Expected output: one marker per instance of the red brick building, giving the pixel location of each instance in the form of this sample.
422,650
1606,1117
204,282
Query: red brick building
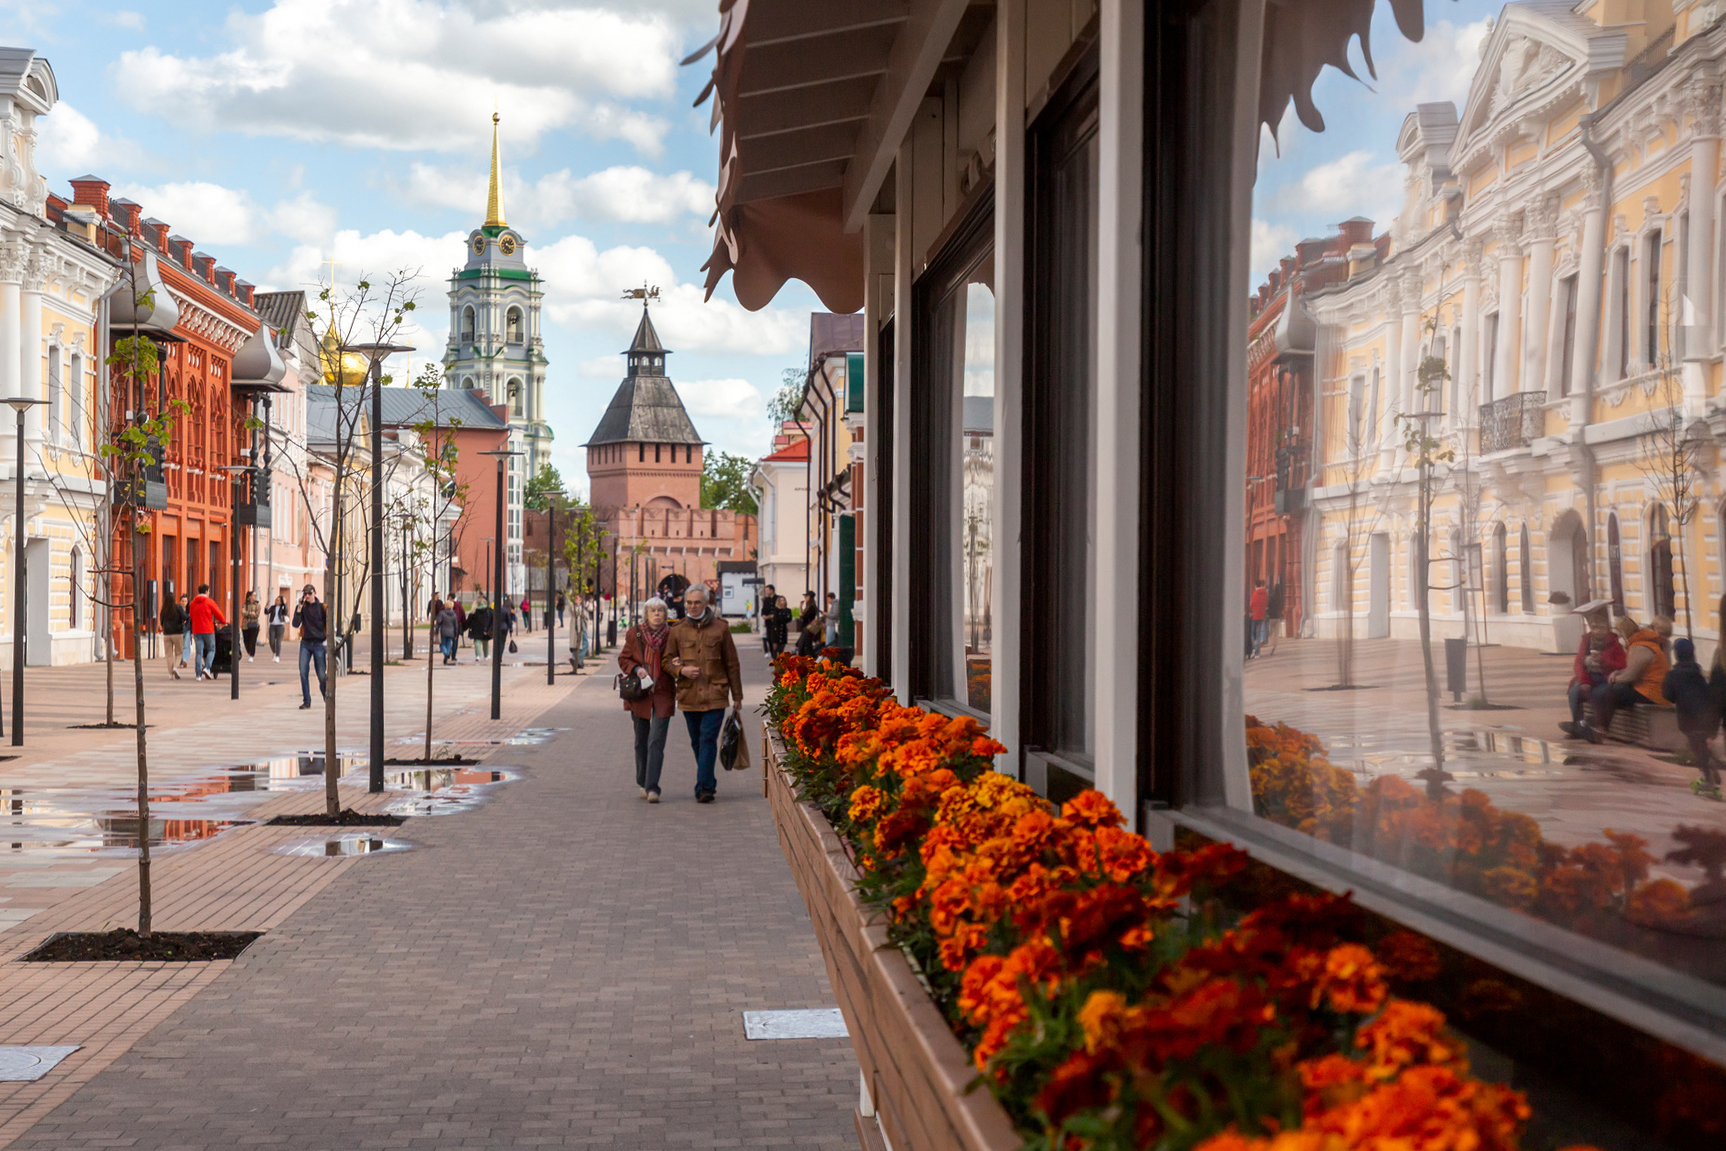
1280,347
190,540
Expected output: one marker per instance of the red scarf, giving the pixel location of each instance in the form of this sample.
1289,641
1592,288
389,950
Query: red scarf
653,646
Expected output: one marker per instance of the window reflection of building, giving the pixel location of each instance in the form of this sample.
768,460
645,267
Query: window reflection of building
979,500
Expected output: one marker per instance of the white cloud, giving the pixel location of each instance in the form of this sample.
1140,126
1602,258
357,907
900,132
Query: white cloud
416,74
1270,243
1349,185
208,214
626,193
304,219
69,144
126,19
1440,67
728,399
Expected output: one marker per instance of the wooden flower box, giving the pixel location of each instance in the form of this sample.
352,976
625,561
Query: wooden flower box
915,1070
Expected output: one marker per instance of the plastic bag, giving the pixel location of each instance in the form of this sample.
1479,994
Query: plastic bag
733,747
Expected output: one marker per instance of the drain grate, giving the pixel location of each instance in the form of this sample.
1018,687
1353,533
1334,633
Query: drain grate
28,1064
806,1023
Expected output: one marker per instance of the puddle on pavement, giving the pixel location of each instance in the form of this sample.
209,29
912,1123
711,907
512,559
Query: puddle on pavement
341,845
78,821
526,737
1477,754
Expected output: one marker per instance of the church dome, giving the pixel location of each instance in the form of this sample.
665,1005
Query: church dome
353,367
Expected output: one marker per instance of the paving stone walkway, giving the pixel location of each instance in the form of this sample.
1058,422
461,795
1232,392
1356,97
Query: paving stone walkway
561,966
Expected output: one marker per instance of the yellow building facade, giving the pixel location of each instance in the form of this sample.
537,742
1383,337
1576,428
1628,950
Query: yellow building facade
1549,306
53,281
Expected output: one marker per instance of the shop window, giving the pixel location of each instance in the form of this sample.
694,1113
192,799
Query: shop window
1059,482
879,567
953,488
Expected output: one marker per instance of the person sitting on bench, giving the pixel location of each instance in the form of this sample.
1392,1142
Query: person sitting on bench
1639,681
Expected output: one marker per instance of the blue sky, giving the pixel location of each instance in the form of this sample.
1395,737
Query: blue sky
1351,168
280,133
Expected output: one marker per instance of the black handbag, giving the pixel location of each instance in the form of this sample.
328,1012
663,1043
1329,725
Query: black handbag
512,647
629,687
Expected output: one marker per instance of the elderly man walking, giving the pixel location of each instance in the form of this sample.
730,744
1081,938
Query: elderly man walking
700,653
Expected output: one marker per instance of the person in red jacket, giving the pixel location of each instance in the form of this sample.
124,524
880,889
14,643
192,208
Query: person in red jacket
206,614
1598,656
1258,606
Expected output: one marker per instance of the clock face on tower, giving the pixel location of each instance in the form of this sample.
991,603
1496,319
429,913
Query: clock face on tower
479,245
507,245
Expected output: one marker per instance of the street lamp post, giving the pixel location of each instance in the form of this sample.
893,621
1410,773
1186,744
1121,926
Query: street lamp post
235,471
376,353
500,455
551,591
19,584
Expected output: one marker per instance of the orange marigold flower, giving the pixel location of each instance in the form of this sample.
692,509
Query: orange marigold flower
866,804
1101,1018
1406,1034
1351,980
1091,809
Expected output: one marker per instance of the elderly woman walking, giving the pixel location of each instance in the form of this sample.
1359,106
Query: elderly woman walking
640,659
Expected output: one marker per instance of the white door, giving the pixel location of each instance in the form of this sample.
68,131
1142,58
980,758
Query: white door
1378,602
39,565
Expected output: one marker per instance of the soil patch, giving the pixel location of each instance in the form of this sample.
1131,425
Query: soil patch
107,726
347,818
1343,687
446,761
127,946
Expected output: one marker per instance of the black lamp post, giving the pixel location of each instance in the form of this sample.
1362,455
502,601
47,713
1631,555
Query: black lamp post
501,455
19,583
376,353
551,591
235,471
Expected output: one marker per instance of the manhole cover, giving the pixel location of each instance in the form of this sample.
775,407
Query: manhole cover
28,1064
808,1023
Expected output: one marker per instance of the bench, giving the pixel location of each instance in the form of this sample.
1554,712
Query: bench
1646,725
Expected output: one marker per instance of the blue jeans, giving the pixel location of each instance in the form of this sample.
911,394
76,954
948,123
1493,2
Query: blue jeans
206,645
1261,632
447,643
311,651
650,749
186,646
704,738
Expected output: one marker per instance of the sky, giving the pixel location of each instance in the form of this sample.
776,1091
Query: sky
1308,182
278,134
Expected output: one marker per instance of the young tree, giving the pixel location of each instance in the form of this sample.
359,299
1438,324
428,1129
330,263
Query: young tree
1427,451
435,445
1672,454
725,482
367,314
785,402
543,486
1358,527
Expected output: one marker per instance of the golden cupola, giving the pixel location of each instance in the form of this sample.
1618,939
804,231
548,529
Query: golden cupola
353,366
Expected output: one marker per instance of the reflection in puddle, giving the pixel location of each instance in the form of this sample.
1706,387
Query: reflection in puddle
341,845
74,820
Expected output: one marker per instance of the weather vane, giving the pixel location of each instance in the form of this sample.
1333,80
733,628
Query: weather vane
643,293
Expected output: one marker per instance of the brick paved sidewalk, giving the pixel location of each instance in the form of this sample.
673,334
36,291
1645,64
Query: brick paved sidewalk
563,966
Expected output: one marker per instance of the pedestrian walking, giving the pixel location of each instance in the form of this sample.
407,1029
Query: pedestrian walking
173,621
206,614
186,633
278,614
830,621
460,623
446,629
313,622
769,604
701,654
479,626
1258,608
809,626
1688,690
527,613
561,605
250,612
777,626
642,657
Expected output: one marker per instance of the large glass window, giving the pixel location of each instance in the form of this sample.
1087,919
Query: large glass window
953,482
1493,803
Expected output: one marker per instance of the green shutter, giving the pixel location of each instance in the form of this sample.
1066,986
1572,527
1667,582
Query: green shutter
854,382
847,577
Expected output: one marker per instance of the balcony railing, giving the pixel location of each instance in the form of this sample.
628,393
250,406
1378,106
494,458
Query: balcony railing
1512,422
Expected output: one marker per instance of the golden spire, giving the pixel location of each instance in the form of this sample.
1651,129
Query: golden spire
494,199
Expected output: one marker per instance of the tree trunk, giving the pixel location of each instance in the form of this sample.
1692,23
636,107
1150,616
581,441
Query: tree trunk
143,756
431,663
333,593
1422,547
1684,580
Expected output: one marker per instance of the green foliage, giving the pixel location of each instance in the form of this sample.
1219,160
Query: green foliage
725,482
785,402
543,487
583,537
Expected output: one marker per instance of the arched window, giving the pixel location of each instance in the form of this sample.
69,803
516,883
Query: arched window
1615,563
512,326
75,390
467,324
1525,571
467,383
1500,571
77,590
56,390
1660,598
514,391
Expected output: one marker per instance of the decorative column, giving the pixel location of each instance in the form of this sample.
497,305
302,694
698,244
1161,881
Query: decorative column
1591,286
30,348
1390,388
1509,310
13,256
1466,373
1409,358
1703,103
1542,227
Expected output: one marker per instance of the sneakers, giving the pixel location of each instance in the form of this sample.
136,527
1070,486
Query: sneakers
174,671
1705,789
704,797
278,658
653,796
249,659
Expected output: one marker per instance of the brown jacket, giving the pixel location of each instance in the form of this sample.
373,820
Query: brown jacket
663,702
709,649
